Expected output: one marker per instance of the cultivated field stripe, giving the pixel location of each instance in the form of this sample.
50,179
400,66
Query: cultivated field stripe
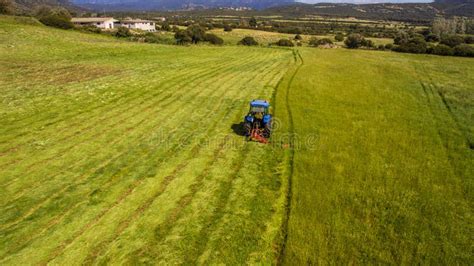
177,106
217,108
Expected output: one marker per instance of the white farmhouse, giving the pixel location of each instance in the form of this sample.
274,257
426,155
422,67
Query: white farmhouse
103,23
139,24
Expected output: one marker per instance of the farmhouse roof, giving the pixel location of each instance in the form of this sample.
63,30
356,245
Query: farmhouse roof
135,21
86,20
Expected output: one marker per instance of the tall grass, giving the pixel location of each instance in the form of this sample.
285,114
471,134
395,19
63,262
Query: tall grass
390,178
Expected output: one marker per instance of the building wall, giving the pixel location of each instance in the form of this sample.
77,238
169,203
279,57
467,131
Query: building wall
141,26
103,25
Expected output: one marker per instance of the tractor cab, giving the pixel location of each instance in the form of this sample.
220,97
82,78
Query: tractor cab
258,121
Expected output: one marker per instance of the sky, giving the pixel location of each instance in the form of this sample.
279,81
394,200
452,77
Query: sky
364,1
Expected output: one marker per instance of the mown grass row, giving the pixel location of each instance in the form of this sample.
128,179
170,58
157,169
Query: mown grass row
141,164
389,180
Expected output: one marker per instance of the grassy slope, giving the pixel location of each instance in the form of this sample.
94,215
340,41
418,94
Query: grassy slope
389,179
122,152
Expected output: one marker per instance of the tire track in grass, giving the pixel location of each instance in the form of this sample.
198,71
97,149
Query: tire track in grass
66,188
101,247
204,235
290,158
224,190
185,200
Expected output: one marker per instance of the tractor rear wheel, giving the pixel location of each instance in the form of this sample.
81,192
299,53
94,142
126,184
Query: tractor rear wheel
267,131
247,128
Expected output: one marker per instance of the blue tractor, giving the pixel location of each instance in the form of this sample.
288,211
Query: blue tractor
258,122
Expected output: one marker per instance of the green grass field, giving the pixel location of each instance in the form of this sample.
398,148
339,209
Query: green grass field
115,152
390,178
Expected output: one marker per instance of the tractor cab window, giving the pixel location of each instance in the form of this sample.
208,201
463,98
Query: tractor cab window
257,109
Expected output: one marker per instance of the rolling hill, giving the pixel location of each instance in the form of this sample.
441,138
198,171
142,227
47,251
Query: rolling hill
180,4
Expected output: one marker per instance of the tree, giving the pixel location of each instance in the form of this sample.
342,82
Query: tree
227,28
213,39
298,37
339,37
452,40
182,37
469,39
57,17
248,41
196,33
6,7
285,42
401,38
253,22
165,26
354,41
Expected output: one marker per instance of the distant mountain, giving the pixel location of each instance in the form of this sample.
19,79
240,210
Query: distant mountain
364,1
179,4
28,5
399,12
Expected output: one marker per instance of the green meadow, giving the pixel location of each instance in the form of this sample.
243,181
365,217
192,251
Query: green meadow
113,152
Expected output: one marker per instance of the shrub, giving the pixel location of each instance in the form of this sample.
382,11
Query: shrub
339,37
452,40
248,41
464,50
442,49
123,32
285,43
227,28
6,7
416,45
315,42
381,47
298,37
389,46
354,41
469,39
58,17
90,28
432,38
213,39
367,43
